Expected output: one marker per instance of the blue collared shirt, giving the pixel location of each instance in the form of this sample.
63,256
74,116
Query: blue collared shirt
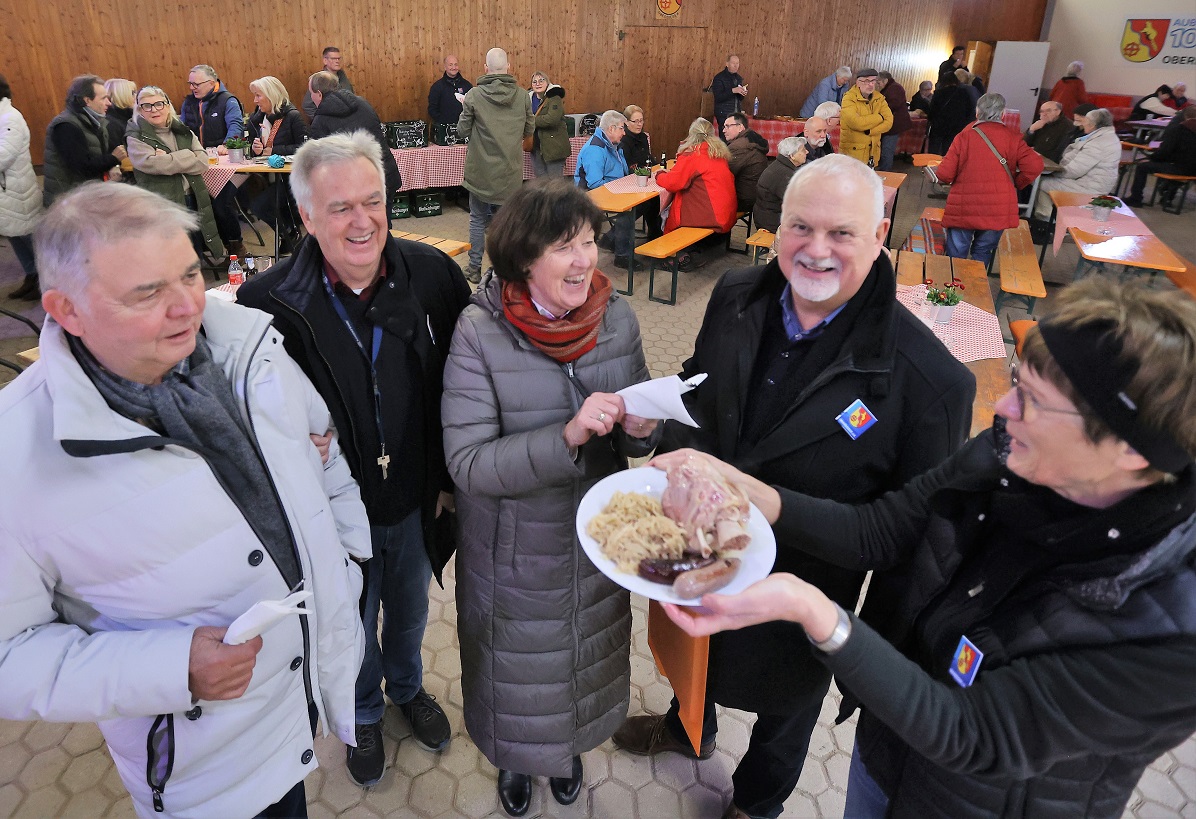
793,328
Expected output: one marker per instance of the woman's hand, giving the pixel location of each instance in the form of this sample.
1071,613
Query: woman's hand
776,597
258,147
638,427
597,416
766,499
220,149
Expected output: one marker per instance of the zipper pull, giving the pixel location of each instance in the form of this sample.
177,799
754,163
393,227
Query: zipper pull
569,369
158,807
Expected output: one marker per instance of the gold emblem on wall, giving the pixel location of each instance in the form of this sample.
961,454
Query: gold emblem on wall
1143,39
667,8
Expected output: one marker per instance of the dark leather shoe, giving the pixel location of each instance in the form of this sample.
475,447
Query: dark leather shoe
650,734
514,791
566,788
28,291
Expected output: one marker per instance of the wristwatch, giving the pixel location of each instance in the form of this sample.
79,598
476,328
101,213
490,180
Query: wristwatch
838,637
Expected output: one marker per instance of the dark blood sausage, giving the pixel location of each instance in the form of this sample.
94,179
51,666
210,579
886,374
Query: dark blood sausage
697,582
665,570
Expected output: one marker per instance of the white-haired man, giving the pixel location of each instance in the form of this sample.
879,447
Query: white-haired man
159,482
369,317
830,88
214,115
600,161
496,114
819,379
1051,133
816,131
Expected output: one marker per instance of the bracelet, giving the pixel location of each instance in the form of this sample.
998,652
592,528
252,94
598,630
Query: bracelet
838,637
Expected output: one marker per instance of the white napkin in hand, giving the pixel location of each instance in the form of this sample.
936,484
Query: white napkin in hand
262,616
460,97
661,398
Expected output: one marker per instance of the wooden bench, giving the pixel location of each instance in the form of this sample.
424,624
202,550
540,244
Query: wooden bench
450,247
1018,330
1184,181
29,356
666,248
760,242
744,217
1020,275
1185,280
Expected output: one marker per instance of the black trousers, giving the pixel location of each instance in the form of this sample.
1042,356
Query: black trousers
1144,169
769,771
224,208
293,805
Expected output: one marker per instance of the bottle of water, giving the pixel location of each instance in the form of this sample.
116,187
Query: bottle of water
756,107
250,268
236,276
664,160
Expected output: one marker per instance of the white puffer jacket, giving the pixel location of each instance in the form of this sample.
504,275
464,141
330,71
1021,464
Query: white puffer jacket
113,551
20,196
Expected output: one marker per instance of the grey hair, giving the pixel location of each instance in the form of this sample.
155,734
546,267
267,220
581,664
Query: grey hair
1100,118
828,109
990,107
1074,68
332,150
496,61
844,71
97,214
206,70
833,171
925,84
153,90
610,119
791,145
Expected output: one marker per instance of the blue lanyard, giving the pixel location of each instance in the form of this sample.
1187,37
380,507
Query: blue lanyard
371,358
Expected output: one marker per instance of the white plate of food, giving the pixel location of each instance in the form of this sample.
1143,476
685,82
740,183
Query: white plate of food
634,529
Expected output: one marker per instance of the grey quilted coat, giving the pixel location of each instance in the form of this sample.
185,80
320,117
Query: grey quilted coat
545,637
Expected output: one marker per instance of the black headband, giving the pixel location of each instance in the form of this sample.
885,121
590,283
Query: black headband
1091,358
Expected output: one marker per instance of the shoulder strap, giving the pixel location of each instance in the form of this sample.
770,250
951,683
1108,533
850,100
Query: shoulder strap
1004,162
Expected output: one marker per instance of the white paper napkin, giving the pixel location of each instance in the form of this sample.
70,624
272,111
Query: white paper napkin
262,616
661,398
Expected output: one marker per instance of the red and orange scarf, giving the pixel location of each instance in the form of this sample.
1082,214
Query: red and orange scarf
566,339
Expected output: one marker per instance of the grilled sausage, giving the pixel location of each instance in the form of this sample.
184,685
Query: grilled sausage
697,582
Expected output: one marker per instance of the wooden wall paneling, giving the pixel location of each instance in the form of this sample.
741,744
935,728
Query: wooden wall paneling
986,20
671,95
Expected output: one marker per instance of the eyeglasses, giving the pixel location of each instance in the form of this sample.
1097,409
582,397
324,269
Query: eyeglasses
1023,397
151,106
639,121
198,84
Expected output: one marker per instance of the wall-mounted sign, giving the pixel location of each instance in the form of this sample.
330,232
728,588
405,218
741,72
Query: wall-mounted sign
1172,40
667,8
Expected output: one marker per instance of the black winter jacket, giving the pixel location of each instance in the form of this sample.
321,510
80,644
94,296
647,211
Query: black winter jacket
442,100
875,351
417,307
1088,660
290,134
342,112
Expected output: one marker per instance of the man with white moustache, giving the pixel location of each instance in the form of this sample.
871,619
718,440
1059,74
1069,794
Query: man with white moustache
369,318
820,381
818,144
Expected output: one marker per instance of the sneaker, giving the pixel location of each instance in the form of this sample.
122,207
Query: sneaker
648,735
429,725
473,275
367,761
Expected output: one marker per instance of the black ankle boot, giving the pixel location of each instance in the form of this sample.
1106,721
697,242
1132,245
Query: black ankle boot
514,791
566,789
28,291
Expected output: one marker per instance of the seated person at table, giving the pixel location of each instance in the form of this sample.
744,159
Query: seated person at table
770,190
829,111
1051,133
818,141
215,115
951,109
701,182
1089,164
829,89
986,165
637,150
168,160
919,106
1154,105
121,94
599,162
1179,96
1176,154
276,128
748,160
1042,651
339,111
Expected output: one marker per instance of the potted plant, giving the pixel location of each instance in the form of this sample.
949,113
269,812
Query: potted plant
236,150
1102,206
641,176
942,301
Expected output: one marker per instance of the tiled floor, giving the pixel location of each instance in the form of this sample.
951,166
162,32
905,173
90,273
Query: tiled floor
64,770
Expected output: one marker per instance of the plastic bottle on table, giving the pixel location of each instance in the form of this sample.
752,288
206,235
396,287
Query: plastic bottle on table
756,107
236,276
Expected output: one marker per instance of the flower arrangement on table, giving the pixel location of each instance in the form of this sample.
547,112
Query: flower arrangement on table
235,143
946,296
642,170
1105,201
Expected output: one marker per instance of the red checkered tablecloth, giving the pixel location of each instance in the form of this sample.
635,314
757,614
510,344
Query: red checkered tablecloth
972,333
443,166
218,175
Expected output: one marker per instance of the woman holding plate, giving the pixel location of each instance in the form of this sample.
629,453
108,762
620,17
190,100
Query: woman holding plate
531,421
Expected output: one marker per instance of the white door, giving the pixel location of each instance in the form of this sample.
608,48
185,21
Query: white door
1017,72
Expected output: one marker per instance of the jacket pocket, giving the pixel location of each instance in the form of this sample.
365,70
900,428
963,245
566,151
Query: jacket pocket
159,757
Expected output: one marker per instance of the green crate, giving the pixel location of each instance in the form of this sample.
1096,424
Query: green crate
401,207
427,204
